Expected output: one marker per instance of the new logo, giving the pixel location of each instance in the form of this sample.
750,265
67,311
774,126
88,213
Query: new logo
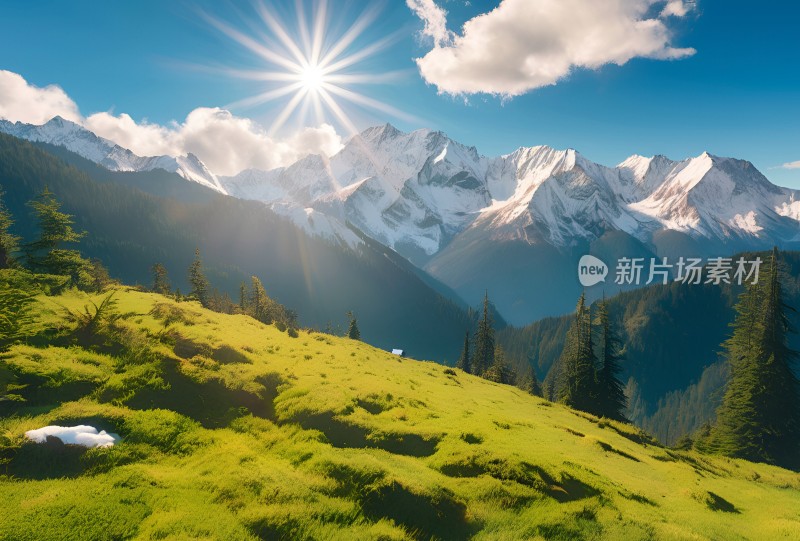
591,271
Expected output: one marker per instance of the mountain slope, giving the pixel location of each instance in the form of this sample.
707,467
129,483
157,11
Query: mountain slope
321,279
67,134
517,224
478,223
261,436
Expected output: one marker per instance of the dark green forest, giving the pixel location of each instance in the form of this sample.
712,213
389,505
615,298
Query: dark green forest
672,338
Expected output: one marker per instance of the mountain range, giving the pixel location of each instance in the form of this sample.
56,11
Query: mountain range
514,224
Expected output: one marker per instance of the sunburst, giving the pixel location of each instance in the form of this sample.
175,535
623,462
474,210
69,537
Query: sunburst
308,65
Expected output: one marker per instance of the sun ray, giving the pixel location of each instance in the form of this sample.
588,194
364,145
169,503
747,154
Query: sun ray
279,30
345,120
310,66
319,32
364,20
278,123
265,97
250,43
318,111
369,102
363,53
368,78
254,75
302,26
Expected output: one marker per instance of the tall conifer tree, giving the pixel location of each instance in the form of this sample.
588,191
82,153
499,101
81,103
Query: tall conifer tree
464,361
47,254
483,357
8,241
198,280
577,381
759,418
352,330
611,401
161,283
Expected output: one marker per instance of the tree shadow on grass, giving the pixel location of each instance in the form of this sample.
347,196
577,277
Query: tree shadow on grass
340,433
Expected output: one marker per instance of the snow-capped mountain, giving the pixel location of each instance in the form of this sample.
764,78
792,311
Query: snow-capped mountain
412,192
416,191
77,139
515,224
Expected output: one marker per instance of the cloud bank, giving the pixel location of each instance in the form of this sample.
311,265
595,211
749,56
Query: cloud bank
227,144
84,435
522,45
791,165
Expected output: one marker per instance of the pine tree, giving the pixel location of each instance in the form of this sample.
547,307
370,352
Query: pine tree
198,280
15,304
243,297
530,383
577,382
500,371
759,418
55,229
161,283
464,362
483,357
611,401
9,243
99,276
259,305
352,330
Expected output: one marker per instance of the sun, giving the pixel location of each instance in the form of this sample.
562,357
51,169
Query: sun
307,66
313,78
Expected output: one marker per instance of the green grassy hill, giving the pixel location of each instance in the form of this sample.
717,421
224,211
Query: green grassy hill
234,430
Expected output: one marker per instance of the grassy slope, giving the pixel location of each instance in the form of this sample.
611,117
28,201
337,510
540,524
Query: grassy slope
347,442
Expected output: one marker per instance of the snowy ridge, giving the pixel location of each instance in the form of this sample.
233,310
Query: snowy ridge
417,191
75,138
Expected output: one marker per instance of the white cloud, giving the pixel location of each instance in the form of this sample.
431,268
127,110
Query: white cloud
523,45
791,165
84,435
142,138
227,144
676,8
24,102
435,19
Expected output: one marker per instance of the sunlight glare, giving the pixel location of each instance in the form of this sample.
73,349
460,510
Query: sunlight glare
310,66
312,78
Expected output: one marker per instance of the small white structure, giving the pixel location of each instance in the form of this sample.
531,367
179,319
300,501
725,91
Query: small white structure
399,352
84,435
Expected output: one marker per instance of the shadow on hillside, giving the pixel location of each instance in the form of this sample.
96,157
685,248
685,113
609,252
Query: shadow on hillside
340,433
41,395
566,489
210,403
49,460
434,513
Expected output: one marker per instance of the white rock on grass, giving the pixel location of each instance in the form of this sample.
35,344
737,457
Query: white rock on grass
84,435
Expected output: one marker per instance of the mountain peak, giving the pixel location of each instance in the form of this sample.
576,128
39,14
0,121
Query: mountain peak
380,133
60,121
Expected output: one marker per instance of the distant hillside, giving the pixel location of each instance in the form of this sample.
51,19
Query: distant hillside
130,230
233,430
672,335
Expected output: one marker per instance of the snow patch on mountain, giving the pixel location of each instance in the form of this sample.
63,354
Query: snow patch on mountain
77,139
416,191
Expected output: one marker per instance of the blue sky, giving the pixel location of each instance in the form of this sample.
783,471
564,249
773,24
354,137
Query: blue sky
737,95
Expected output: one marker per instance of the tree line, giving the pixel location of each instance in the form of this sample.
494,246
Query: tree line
759,418
588,368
